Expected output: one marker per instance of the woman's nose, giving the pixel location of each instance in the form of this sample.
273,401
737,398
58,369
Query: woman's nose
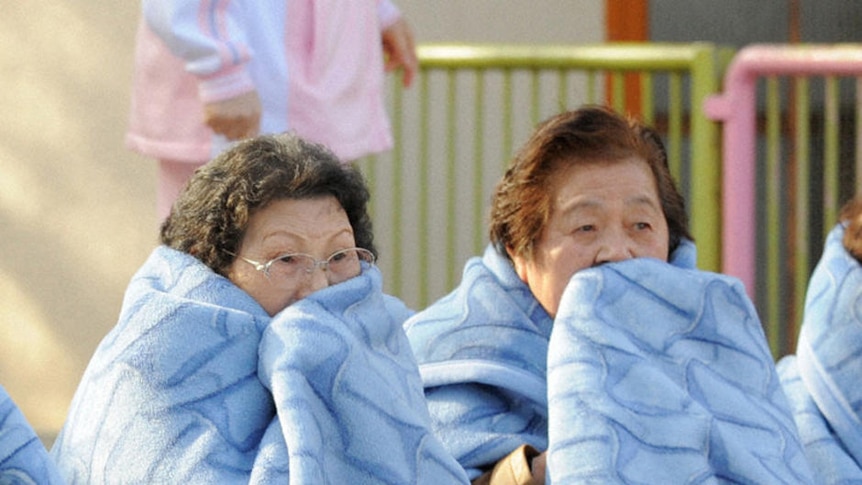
318,279
615,246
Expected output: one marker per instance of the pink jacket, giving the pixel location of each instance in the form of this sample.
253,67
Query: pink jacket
317,66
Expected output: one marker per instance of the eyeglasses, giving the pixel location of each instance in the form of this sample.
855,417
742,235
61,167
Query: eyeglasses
341,265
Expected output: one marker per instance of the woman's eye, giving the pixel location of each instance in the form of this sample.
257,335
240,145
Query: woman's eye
289,259
641,226
586,228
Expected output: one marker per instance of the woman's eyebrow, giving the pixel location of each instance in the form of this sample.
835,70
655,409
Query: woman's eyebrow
642,199
580,203
297,238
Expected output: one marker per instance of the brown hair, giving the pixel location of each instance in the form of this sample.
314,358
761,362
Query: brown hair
851,215
211,215
521,205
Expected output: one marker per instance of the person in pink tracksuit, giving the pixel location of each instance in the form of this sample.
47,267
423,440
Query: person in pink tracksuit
208,72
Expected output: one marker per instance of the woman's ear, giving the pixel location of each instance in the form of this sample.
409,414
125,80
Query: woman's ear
519,263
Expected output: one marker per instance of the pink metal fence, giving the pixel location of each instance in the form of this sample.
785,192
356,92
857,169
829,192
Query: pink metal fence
737,108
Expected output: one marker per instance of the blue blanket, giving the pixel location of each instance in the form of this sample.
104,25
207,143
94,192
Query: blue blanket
658,374
196,384
823,379
482,351
23,458
499,373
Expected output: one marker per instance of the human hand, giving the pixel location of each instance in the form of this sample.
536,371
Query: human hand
399,49
235,118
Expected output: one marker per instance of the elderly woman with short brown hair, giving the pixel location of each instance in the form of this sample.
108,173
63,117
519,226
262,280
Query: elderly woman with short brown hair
561,153
584,345
256,345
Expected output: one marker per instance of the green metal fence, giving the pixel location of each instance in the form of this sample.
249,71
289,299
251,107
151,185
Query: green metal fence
809,170
471,108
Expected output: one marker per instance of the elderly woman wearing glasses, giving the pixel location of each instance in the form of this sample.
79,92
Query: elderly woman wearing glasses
255,344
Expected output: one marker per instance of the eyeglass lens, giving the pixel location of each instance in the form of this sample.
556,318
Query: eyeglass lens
341,265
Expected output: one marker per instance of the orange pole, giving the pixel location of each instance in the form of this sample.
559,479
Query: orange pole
627,21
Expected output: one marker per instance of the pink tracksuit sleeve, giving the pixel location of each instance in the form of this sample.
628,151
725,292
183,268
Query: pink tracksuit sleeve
317,66
210,38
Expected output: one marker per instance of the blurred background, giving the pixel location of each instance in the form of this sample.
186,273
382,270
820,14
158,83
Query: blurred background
77,209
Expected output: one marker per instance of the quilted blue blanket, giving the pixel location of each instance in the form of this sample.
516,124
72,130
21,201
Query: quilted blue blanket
651,373
23,458
658,374
196,384
482,355
482,351
823,379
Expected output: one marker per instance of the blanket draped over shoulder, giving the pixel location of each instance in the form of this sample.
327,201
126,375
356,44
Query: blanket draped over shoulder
23,458
197,384
824,379
481,352
663,374
638,350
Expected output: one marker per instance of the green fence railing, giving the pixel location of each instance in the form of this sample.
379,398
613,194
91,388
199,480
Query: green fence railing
473,105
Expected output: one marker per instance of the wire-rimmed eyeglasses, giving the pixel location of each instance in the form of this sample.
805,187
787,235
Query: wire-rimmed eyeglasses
341,265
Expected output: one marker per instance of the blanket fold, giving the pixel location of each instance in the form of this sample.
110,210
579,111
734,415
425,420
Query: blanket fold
197,384
349,398
822,379
662,373
481,352
23,458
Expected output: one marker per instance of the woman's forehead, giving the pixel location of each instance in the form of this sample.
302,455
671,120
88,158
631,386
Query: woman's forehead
308,220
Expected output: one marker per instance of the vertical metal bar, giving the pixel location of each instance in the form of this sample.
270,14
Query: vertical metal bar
508,123
647,99
479,163
736,107
802,150
704,163
674,128
535,90
562,90
619,91
452,178
368,167
773,215
424,168
831,133
397,191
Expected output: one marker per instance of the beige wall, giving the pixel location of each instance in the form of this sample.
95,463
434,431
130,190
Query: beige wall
76,208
